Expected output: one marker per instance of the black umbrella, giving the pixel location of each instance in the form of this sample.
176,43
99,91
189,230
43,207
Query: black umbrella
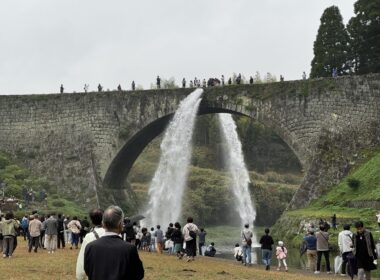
136,218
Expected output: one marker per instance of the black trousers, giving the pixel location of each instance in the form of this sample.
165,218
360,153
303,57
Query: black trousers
191,248
34,241
61,240
345,261
327,258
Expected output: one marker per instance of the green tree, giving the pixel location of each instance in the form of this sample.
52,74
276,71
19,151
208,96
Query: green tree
364,31
331,45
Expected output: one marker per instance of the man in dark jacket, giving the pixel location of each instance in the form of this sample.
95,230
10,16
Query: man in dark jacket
61,237
266,242
365,251
122,259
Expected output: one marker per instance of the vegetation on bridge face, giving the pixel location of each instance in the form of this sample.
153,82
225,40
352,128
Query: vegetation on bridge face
351,49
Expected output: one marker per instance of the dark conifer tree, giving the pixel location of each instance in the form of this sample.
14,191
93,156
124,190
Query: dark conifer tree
331,46
364,32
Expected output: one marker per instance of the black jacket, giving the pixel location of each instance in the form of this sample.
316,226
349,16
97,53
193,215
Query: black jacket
110,258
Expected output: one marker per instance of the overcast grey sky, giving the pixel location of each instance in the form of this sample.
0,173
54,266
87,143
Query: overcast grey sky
45,43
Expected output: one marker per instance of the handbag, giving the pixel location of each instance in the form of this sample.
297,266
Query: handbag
249,241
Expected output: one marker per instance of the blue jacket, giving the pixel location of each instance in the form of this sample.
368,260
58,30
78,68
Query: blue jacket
311,241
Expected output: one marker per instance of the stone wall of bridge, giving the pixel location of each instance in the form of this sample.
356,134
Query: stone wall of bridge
77,139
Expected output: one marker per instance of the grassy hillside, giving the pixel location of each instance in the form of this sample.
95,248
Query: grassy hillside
19,180
357,197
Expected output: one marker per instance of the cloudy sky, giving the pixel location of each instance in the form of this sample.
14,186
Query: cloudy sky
45,43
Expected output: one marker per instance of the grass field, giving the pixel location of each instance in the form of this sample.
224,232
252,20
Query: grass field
61,265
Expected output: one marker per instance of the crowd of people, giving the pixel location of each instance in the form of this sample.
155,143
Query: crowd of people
175,239
193,83
358,253
49,232
121,238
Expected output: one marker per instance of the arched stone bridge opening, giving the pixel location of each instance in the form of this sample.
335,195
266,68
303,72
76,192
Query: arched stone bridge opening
121,165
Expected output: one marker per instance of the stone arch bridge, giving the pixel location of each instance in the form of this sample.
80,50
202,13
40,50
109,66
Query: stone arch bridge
87,142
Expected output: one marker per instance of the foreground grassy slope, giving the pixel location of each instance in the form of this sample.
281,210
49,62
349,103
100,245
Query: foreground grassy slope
61,266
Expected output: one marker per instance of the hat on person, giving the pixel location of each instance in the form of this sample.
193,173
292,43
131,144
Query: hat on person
280,243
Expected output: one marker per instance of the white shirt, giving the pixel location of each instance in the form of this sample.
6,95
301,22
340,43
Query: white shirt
238,251
186,231
81,274
345,241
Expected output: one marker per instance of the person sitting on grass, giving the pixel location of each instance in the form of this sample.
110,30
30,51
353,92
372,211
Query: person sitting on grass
210,251
238,253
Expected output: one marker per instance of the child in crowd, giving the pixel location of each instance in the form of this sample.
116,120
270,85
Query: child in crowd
210,251
281,254
238,253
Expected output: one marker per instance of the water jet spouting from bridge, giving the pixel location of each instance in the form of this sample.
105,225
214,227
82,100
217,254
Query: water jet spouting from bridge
238,171
169,181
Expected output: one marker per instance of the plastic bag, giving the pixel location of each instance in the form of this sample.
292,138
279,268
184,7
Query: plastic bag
338,264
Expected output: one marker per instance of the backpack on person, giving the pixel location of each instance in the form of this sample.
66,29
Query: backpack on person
192,234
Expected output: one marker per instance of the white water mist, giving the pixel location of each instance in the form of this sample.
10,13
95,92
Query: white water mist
236,167
167,187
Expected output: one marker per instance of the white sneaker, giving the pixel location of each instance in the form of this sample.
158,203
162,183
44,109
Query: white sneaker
317,272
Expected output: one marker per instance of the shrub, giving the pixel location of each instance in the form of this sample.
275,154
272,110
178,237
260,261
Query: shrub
353,183
3,162
58,203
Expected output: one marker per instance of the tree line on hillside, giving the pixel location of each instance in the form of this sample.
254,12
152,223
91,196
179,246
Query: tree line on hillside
351,49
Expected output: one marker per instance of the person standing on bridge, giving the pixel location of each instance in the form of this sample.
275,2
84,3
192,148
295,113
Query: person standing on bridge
251,80
222,80
303,75
183,83
133,85
85,87
61,89
119,87
158,82
100,88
